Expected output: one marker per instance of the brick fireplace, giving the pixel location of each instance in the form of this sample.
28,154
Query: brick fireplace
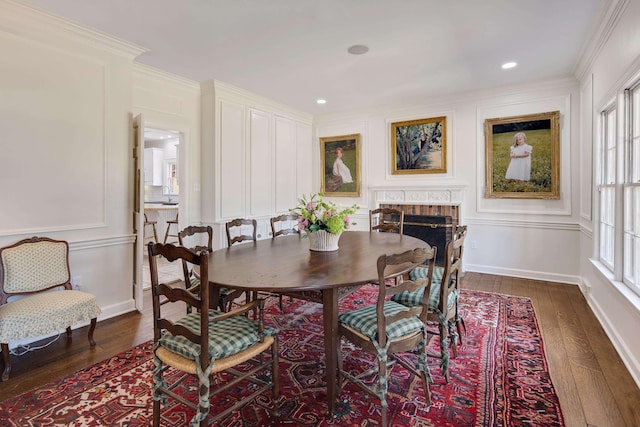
431,214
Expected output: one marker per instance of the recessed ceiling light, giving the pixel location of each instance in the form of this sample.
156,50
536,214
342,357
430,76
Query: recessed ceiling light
321,101
358,49
508,65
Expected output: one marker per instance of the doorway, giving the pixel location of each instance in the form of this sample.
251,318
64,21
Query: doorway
162,199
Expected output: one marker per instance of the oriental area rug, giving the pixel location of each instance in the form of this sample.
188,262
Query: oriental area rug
500,378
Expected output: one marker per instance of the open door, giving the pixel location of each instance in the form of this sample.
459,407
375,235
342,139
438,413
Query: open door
138,208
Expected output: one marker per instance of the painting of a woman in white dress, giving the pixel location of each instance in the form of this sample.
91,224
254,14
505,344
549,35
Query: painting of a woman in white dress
340,169
520,152
340,165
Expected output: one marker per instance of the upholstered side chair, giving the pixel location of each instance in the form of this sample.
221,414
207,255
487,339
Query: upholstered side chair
37,272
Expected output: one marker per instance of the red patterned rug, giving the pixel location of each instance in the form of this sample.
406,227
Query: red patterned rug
500,378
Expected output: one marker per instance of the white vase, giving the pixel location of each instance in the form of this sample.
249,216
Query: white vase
323,241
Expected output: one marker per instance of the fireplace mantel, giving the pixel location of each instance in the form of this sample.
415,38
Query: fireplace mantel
422,195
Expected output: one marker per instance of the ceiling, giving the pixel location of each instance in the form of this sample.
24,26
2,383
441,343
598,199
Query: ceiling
295,51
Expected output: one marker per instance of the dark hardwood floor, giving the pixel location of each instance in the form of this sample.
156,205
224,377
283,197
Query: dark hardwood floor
594,387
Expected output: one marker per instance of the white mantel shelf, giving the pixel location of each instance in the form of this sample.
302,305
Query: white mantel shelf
422,195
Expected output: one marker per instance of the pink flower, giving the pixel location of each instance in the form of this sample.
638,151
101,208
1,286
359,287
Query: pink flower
302,223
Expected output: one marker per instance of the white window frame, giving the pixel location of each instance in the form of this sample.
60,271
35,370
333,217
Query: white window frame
607,155
631,190
617,207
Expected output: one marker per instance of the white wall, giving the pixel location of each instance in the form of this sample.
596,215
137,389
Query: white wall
65,97
520,237
255,155
615,63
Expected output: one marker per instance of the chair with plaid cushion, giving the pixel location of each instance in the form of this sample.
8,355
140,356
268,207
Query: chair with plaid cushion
443,300
36,296
221,350
191,234
388,328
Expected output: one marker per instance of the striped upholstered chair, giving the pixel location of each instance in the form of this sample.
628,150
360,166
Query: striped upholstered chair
444,294
36,296
206,343
388,328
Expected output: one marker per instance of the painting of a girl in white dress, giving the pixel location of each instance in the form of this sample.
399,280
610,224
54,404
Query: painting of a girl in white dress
340,165
520,152
523,156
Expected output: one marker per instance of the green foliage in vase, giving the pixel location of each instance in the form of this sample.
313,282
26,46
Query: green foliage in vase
316,214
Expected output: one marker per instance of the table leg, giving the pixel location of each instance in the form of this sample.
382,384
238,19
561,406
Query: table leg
331,343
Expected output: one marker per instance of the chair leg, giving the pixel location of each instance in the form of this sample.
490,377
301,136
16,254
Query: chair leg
6,358
382,391
425,387
155,233
275,372
444,351
92,328
166,234
156,413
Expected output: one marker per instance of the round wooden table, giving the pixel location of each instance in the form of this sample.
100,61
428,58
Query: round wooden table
285,264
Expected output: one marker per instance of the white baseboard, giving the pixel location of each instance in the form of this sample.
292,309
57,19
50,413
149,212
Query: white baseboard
525,274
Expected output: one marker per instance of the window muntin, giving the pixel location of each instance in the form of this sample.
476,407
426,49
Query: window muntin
607,187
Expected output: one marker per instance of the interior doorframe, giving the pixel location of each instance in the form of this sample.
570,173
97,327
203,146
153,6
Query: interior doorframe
184,183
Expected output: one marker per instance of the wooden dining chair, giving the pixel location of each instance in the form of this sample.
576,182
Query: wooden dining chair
237,228
443,299
199,234
284,225
386,220
388,328
206,343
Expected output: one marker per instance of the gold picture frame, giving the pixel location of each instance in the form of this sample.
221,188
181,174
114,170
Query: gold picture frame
340,166
523,156
419,146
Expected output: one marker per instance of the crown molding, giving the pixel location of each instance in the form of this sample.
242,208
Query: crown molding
252,100
158,74
608,19
18,17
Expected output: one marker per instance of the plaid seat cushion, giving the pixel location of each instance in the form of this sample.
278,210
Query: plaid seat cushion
415,298
226,338
364,320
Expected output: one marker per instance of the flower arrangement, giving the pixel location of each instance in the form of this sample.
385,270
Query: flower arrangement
316,214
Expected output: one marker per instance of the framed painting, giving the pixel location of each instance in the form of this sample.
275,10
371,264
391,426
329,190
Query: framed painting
419,146
340,165
523,156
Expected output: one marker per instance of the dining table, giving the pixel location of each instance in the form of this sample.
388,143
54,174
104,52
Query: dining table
286,265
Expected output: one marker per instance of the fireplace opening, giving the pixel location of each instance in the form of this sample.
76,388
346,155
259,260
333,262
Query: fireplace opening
433,224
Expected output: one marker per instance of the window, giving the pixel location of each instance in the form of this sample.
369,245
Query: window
631,186
607,187
619,187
